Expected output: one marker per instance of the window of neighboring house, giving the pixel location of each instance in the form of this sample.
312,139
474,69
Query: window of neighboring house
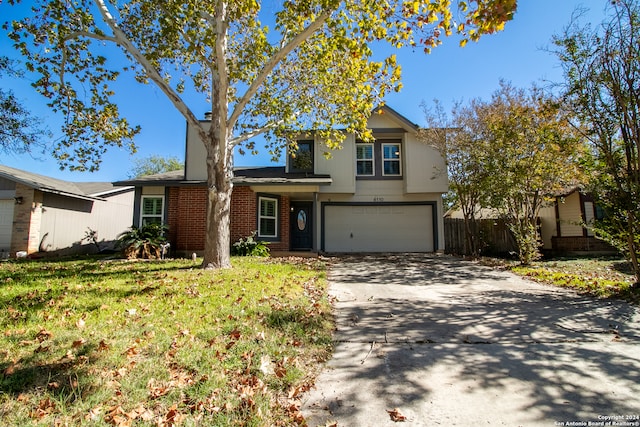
302,159
268,217
151,210
364,159
391,160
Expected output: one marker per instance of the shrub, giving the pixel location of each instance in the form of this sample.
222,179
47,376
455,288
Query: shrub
250,247
144,242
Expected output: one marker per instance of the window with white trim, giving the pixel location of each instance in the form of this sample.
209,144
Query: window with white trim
391,165
267,217
364,159
151,210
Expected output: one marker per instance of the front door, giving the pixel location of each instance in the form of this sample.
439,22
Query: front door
301,226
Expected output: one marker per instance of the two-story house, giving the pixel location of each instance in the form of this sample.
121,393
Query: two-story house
384,196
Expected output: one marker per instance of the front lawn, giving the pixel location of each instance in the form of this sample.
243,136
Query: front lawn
598,276
117,343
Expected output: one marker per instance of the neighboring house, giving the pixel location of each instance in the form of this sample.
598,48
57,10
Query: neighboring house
384,196
42,214
562,222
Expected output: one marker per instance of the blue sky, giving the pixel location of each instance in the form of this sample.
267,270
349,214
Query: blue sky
449,73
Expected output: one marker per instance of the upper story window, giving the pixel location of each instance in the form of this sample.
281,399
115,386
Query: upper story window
268,217
391,160
301,160
151,210
364,159
379,160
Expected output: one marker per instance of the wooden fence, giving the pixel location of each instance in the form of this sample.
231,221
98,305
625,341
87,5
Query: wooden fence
493,237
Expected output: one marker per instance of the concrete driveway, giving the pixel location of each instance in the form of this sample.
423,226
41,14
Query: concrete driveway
450,342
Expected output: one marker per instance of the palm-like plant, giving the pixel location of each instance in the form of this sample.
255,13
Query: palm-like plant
144,242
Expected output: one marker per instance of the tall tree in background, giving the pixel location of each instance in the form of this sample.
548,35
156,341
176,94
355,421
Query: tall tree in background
20,132
512,154
152,165
533,152
312,67
602,73
460,140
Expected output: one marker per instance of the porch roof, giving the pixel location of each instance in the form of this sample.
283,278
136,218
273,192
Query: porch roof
271,175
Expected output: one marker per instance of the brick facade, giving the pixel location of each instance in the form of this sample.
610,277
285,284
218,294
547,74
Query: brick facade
571,244
186,218
27,216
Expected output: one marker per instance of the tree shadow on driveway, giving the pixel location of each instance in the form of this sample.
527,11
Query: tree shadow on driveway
482,347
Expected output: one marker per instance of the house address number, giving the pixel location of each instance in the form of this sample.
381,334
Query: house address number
378,199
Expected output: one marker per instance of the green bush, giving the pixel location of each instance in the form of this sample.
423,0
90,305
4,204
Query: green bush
144,242
250,247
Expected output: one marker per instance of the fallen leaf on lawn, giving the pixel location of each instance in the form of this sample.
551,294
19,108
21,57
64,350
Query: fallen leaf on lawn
172,418
396,415
78,343
10,370
117,417
69,357
41,349
43,335
45,407
103,346
266,366
131,351
94,414
80,324
156,390
53,385
235,334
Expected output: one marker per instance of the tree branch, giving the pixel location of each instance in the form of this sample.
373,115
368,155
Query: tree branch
246,136
273,62
120,38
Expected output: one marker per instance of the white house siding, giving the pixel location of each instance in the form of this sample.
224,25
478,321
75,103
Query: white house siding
425,168
6,224
65,220
548,225
341,166
569,207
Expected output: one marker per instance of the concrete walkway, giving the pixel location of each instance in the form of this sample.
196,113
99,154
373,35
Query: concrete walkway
449,342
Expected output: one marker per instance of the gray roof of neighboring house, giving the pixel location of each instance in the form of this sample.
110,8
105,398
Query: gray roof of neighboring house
80,190
269,175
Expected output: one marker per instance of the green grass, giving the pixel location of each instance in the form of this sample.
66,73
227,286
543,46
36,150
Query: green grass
103,343
603,277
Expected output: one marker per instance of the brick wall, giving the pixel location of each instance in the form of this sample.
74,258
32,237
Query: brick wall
186,218
27,217
580,244
243,213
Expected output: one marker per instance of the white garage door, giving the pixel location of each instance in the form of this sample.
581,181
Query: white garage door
6,224
379,228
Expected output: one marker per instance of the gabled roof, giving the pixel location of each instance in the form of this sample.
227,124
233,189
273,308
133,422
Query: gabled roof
407,124
270,175
79,190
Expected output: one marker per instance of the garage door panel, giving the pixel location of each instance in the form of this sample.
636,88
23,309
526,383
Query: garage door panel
379,228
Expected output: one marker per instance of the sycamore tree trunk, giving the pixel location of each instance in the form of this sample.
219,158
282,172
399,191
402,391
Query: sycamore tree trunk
217,249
